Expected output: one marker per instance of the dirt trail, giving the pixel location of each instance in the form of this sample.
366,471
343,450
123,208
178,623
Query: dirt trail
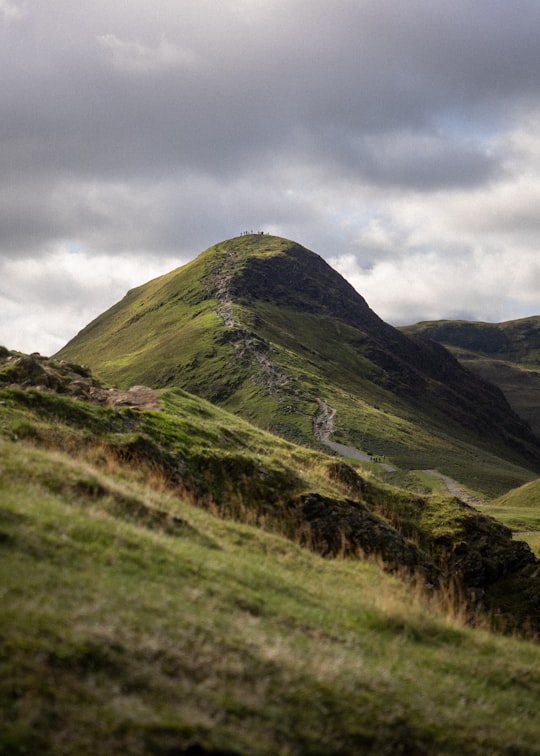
455,489
246,345
137,397
323,421
323,427
224,275
353,453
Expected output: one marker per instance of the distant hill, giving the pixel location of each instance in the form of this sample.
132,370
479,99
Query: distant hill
506,354
519,509
267,329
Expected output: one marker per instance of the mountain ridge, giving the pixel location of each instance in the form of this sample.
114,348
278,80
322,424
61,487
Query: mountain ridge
265,327
506,354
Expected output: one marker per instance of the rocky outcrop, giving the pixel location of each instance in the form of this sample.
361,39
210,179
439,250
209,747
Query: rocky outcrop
248,347
36,371
323,421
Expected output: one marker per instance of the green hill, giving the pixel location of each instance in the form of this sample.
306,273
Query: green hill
134,622
266,329
506,354
519,509
207,456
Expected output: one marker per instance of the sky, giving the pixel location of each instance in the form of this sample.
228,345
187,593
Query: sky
398,140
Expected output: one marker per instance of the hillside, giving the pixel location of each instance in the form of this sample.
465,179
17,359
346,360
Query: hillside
266,329
222,463
506,354
127,635
134,622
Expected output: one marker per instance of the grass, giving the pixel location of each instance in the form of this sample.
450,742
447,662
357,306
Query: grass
237,471
516,518
120,636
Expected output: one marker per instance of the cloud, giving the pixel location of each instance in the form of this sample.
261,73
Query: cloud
43,301
11,11
398,140
132,56
423,161
473,285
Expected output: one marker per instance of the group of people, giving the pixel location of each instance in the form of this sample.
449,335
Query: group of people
249,233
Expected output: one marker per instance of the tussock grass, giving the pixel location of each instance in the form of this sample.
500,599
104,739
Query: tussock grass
123,637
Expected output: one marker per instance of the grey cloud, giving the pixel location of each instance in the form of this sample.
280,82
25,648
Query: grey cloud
156,129
305,77
11,11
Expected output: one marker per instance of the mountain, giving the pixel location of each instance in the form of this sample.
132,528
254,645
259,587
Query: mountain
506,354
268,330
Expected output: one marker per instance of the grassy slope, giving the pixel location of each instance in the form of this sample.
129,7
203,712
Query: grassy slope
174,314
158,337
506,354
150,325
222,463
125,631
369,416
519,510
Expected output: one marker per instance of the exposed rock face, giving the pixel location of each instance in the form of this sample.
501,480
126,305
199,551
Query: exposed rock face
37,371
28,370
348,528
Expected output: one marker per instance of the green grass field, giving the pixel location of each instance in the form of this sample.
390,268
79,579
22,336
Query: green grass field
134,623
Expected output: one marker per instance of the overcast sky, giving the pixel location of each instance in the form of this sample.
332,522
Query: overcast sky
399,140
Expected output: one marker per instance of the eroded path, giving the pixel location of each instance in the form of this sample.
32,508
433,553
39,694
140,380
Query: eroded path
323,421
323,427
137,397
246,345
456,489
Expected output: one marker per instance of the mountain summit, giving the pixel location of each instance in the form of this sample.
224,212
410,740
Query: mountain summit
267,329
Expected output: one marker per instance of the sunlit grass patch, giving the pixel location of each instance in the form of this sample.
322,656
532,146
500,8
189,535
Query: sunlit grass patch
533,539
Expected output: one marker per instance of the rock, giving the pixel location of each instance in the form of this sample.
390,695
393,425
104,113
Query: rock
28,371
